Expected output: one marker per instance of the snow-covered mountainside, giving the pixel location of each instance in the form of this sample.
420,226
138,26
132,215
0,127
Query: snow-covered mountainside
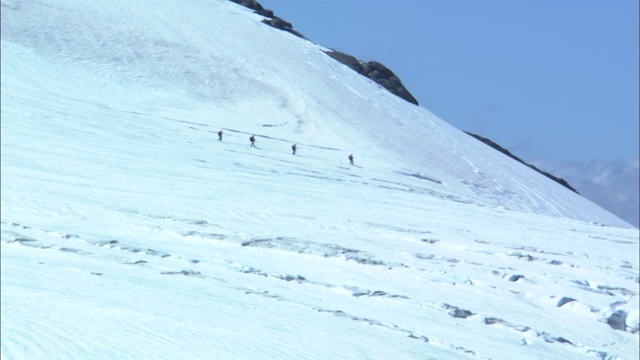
130,231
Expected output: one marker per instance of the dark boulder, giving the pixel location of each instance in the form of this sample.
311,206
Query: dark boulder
617,320
278,23
376,72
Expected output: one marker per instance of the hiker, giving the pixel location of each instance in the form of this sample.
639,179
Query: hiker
351,159
253,140
220,135
294,147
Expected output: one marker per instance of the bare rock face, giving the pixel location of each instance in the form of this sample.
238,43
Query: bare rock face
271,20
376,72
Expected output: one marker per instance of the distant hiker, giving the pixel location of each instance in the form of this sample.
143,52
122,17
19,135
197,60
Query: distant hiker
220,135
294,147
253,140
351,159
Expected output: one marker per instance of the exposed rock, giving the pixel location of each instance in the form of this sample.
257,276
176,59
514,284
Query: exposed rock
271,20
457,312
279,23
254,5
376,72
493,321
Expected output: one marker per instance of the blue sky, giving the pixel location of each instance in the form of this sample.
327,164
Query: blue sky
554,80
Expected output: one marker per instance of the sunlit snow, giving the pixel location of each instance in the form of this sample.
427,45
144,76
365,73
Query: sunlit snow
130,231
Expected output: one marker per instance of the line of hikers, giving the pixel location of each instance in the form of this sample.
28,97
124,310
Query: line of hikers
294,147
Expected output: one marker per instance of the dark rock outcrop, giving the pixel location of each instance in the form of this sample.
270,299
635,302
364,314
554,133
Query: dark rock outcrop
376,72
271,20
509,154
255,6
617,320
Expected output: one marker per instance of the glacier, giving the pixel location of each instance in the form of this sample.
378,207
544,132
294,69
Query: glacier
130,231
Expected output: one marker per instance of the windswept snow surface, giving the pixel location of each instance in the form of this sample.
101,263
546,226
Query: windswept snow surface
130,231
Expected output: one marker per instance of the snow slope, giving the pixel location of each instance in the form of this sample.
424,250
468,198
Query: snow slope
129,231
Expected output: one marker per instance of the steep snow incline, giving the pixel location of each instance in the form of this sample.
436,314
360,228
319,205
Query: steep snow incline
239,74
129,231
